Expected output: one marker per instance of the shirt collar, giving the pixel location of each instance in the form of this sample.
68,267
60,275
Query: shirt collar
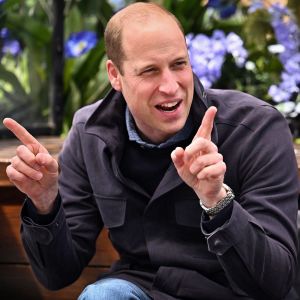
181,135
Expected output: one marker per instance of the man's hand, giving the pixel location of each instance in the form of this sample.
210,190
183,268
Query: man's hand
200,165
33,170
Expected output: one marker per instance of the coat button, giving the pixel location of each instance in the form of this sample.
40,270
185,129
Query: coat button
217,242
43,236
218,245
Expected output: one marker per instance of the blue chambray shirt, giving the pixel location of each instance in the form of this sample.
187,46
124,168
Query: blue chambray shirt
181,135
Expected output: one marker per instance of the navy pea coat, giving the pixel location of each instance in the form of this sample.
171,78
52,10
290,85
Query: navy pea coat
162,245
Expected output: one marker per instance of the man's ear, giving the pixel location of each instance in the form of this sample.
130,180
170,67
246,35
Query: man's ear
113,75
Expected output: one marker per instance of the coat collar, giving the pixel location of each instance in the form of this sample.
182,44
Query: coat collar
108,120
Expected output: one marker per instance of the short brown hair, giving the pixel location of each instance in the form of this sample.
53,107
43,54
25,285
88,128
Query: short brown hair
138,11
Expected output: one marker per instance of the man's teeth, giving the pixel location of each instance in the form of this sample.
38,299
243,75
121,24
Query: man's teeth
169,106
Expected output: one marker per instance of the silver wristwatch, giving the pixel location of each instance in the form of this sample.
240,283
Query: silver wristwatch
212,211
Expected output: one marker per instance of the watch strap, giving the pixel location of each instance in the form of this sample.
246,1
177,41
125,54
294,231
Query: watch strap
212,211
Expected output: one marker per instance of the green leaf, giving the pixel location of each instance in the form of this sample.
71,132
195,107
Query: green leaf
96,89
90,66
8,4
73,21
257,29
68,72
11,78
31,30
40,70
73,102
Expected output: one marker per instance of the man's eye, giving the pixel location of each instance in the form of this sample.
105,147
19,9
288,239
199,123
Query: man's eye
147,71
180,63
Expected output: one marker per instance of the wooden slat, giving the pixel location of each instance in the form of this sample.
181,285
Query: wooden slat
11,250
18,282
10,194
8,147
14,267
10,238
4,182
8,150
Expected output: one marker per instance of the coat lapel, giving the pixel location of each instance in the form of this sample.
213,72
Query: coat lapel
170,181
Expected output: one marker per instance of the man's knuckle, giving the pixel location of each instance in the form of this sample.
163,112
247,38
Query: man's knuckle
11,173
30,160
20,149
8,171
15,161
224,167
220,157
193,170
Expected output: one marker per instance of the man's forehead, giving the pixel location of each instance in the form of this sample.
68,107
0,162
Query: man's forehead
141,27
146,20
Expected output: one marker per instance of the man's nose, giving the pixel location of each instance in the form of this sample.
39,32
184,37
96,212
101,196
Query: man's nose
168,84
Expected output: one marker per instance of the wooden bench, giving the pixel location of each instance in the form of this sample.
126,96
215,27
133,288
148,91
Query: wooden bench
17,281
16,278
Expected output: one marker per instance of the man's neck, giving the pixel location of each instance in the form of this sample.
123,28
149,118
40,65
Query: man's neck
135,135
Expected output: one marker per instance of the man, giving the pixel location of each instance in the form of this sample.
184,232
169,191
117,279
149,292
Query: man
197,188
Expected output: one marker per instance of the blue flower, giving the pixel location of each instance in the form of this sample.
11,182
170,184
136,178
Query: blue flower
235,46
188,38
292,65
4,33
207,54
255,5
2,1
80,43
287,34
225,8
9,44
218,42
278,94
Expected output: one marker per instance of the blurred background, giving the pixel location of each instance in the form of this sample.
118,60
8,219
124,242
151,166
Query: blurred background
53,58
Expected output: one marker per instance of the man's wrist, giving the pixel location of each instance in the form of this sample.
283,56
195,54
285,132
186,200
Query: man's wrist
212,211
29,211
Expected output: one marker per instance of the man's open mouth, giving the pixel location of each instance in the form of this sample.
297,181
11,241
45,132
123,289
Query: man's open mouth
171,106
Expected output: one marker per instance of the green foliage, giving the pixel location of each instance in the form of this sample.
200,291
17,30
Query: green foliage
84,80
25,81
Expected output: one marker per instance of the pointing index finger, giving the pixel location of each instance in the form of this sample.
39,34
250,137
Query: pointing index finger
207,124
22,134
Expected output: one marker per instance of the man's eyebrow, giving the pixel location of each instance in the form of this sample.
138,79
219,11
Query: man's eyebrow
182,57
138,69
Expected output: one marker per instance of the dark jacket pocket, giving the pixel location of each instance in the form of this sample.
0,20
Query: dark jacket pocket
112,210
189,284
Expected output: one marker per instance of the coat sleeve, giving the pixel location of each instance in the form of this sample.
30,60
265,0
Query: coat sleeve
257,247
59,251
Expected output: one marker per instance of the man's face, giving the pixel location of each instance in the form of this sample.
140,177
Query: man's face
157,80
